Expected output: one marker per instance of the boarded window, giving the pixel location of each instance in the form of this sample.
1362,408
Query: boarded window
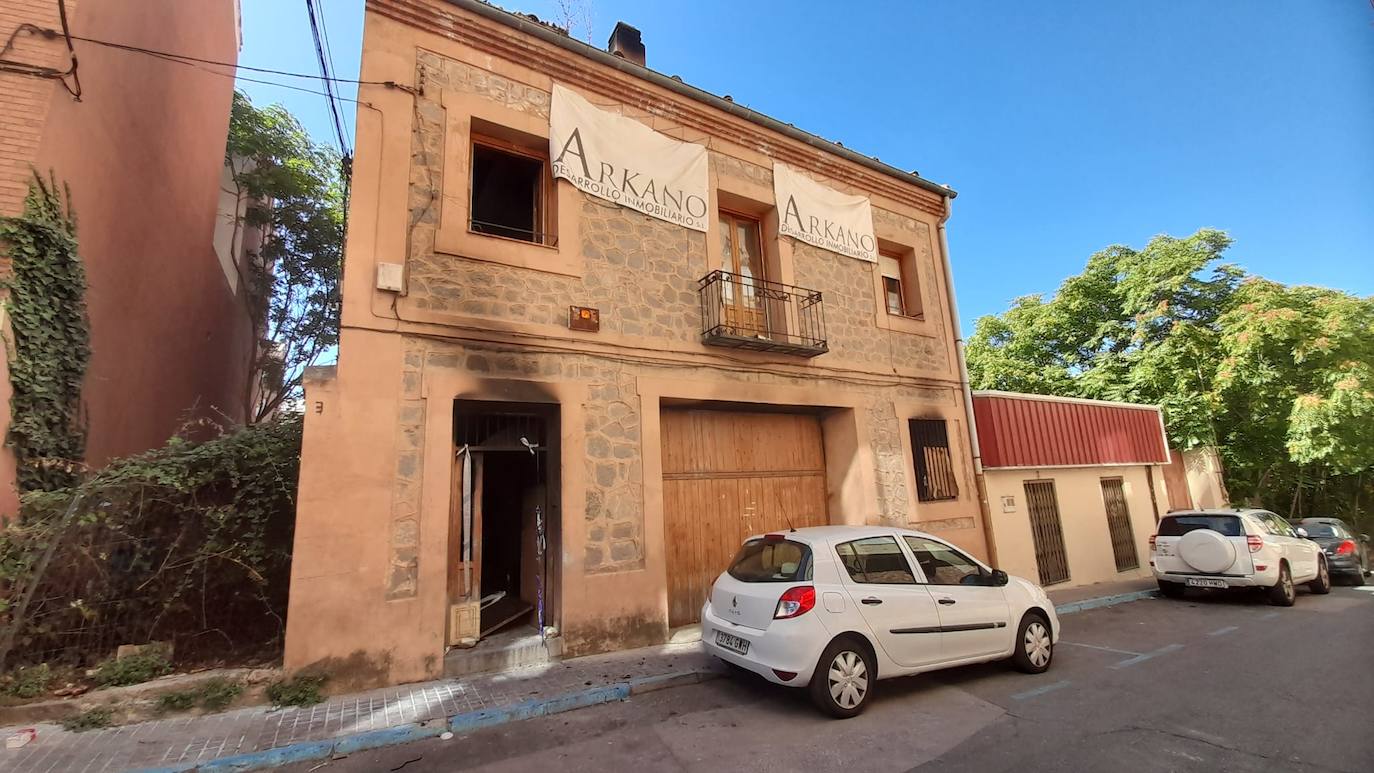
1119,525
935,478
1047,532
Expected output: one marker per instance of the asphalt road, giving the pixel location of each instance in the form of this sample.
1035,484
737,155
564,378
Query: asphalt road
1204,684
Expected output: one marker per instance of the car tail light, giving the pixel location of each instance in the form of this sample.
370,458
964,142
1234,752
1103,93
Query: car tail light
1255,542
1152,541
1261,567
774,537
795,602
1346,547
785,676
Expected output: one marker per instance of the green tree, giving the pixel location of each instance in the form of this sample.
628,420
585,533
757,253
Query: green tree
1280,379
290,192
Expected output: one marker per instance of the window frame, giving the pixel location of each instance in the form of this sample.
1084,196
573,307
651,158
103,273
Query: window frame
918,460
908,285
546,212
901,551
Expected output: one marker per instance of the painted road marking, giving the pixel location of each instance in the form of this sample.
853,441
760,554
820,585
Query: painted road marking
1020,696
1270,616
1098,647
1142,658
1223,631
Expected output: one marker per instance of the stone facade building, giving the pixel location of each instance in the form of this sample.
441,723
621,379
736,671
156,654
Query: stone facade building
554,416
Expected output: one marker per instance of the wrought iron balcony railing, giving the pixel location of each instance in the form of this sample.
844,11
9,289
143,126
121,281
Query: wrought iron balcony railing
747,313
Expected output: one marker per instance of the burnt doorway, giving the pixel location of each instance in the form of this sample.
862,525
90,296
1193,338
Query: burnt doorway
503,520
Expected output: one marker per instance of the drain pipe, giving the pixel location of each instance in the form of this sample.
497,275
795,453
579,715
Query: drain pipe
984,511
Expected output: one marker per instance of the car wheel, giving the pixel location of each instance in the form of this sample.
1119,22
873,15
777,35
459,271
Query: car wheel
844,678
1283,594
1171,590
1034,645
1321,585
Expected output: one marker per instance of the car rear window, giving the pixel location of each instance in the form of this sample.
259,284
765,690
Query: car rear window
761,560
1179,525
1322,529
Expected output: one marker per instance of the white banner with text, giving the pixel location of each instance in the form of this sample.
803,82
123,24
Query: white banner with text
824,217
623,161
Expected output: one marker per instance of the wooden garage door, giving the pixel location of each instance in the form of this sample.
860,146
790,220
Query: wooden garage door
726,476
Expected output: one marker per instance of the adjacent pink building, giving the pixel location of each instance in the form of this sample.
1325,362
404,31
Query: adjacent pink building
142,150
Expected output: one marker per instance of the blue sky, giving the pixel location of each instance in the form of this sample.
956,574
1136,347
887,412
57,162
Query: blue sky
1065,126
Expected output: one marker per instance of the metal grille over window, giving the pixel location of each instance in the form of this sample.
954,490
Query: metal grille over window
1047,532
935,478
1119,524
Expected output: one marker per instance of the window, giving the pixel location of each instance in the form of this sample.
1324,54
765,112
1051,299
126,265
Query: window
935,478
741,256
943,565
764,561
510,186
900,292
1179,525
875,560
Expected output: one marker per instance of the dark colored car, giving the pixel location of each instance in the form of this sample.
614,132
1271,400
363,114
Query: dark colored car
1347,553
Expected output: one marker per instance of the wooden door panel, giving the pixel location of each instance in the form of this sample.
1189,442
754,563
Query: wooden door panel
727,476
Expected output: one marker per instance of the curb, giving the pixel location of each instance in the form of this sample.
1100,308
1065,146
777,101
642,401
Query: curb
456,723
1104,601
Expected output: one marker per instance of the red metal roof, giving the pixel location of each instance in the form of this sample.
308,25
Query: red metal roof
1016,430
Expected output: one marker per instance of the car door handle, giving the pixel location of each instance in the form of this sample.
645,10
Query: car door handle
946,601
871,600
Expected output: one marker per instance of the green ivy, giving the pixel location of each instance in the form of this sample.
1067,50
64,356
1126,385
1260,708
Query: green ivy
51,339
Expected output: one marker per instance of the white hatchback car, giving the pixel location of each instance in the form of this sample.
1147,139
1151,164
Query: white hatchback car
834,608
1236,549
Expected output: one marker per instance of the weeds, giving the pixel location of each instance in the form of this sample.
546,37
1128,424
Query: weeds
27,683
297,691
91,719
211,695
133,669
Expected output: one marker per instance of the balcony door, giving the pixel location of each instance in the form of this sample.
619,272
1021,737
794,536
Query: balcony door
741,249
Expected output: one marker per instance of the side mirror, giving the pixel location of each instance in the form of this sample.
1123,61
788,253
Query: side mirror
1000,578
1302,532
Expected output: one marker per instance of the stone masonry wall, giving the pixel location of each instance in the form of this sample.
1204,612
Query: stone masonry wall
642,273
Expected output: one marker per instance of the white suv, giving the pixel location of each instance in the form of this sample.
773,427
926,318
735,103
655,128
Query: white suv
833,608
1236,549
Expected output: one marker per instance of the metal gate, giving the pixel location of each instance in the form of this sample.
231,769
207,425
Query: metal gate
1051,559
1119,525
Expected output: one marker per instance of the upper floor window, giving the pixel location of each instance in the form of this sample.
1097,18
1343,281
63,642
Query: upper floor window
900,291
741,256
511,191
935,478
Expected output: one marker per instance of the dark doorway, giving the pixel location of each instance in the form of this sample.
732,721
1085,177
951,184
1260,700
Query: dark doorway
504,519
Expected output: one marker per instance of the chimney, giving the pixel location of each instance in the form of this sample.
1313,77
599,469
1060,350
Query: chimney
626,44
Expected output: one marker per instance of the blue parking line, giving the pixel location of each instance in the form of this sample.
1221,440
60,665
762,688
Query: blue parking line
1142,658
1020,696
1223,631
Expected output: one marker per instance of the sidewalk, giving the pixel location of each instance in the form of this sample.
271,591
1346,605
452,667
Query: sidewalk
258,737
1101,594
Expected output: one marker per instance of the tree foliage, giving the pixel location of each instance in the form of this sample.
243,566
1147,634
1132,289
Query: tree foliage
1279,378
50,344
291,192
189,543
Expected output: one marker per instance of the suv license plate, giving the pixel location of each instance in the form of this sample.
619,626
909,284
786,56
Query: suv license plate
732,642
1204,582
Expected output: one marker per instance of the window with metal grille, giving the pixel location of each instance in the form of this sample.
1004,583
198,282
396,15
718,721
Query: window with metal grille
1047,532
1119,525
935,478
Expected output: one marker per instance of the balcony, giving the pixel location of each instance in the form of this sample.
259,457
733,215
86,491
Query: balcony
742,312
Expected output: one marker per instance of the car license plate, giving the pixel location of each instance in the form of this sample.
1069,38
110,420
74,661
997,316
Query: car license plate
733,643
1205,582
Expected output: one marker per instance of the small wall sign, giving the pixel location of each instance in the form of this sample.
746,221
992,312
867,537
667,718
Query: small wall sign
1008,504
584,318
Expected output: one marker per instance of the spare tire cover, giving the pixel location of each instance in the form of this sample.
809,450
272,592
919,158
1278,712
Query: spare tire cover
1206,550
